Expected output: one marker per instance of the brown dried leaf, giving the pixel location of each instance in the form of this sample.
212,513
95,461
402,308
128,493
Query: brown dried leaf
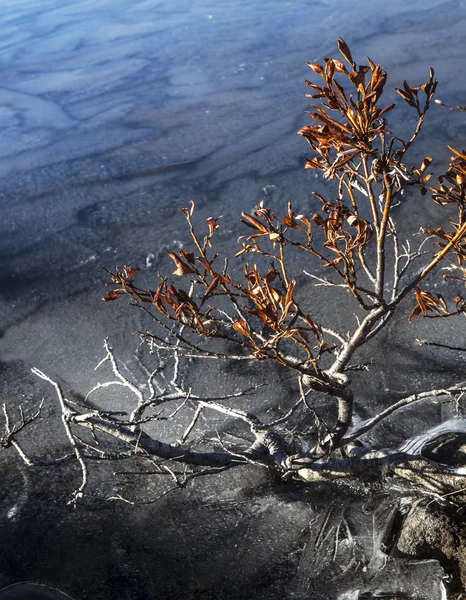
346,52
461,155
206,264
312,164
271,276
386,110
213,284
289,292
416,312
329,70
426,163
290,222
213,225
408,98
129,272
254,223
339,66
182,268
189,256
113,295
428,302
455,277
242,327
317,68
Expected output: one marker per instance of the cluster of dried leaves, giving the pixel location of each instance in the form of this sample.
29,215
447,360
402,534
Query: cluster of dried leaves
265,312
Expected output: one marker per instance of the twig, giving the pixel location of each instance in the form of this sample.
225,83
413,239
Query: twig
66,414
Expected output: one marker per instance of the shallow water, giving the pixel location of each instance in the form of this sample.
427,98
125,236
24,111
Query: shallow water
113,114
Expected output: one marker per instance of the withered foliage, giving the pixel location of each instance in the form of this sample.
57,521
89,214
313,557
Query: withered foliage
353,238
263,310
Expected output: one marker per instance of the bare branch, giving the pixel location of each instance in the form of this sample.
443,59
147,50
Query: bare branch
370,423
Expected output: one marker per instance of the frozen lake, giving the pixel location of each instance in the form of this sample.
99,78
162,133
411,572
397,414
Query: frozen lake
113,114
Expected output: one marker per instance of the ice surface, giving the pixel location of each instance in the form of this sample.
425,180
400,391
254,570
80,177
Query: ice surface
113,114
